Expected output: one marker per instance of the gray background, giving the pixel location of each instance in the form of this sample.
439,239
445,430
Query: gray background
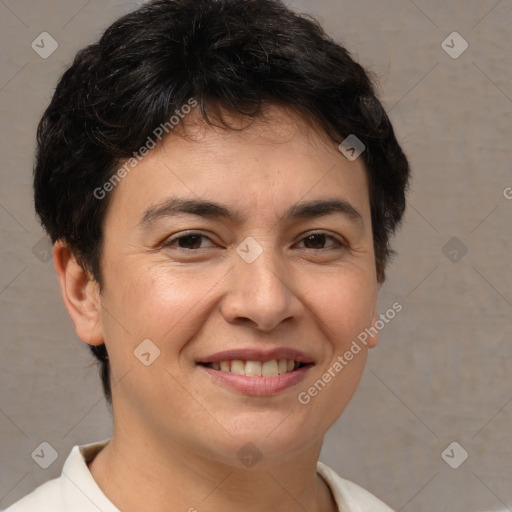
441,372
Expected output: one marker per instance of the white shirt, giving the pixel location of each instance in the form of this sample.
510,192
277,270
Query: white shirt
77,491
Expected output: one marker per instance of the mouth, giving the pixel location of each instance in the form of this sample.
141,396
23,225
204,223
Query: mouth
255,368
256,372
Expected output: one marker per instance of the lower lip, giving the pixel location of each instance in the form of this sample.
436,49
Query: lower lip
258,386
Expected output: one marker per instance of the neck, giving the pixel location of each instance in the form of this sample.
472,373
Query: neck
160,477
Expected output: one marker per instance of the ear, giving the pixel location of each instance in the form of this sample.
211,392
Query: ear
80,293
373,340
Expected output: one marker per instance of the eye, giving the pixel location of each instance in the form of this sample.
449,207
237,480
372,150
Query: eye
189,241
193,241
317,240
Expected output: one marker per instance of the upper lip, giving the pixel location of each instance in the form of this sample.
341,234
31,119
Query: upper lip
248,354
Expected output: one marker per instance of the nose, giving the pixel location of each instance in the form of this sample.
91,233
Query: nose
263,293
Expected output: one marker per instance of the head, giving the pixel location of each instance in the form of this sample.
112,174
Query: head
239,76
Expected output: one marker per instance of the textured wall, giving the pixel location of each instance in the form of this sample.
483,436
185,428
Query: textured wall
441,372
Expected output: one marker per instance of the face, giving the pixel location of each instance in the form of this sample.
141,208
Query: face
280,272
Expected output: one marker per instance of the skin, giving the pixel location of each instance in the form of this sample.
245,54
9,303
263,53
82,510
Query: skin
176,432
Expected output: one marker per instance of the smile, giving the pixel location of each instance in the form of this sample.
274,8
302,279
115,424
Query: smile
271,368
256,378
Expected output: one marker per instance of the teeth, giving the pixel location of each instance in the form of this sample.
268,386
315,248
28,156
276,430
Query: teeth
271,368
253,368
238,367
282,366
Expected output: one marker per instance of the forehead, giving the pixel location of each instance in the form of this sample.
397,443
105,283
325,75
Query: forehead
258,162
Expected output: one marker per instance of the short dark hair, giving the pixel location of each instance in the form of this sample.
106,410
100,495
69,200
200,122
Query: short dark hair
236,55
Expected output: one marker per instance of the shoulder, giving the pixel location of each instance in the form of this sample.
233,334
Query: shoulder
46,498
349,496
74,490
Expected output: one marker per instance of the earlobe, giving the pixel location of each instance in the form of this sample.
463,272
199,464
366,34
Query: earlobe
80,293
374,338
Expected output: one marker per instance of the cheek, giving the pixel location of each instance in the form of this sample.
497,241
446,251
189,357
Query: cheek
328,395
344,310
344,304
161,302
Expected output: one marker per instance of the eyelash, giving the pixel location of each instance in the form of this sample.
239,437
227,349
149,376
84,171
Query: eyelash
170,243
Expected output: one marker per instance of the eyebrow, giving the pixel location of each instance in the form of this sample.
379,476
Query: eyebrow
202,208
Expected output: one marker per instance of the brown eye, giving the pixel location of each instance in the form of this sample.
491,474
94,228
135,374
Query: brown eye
190,241
187,242
318,240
